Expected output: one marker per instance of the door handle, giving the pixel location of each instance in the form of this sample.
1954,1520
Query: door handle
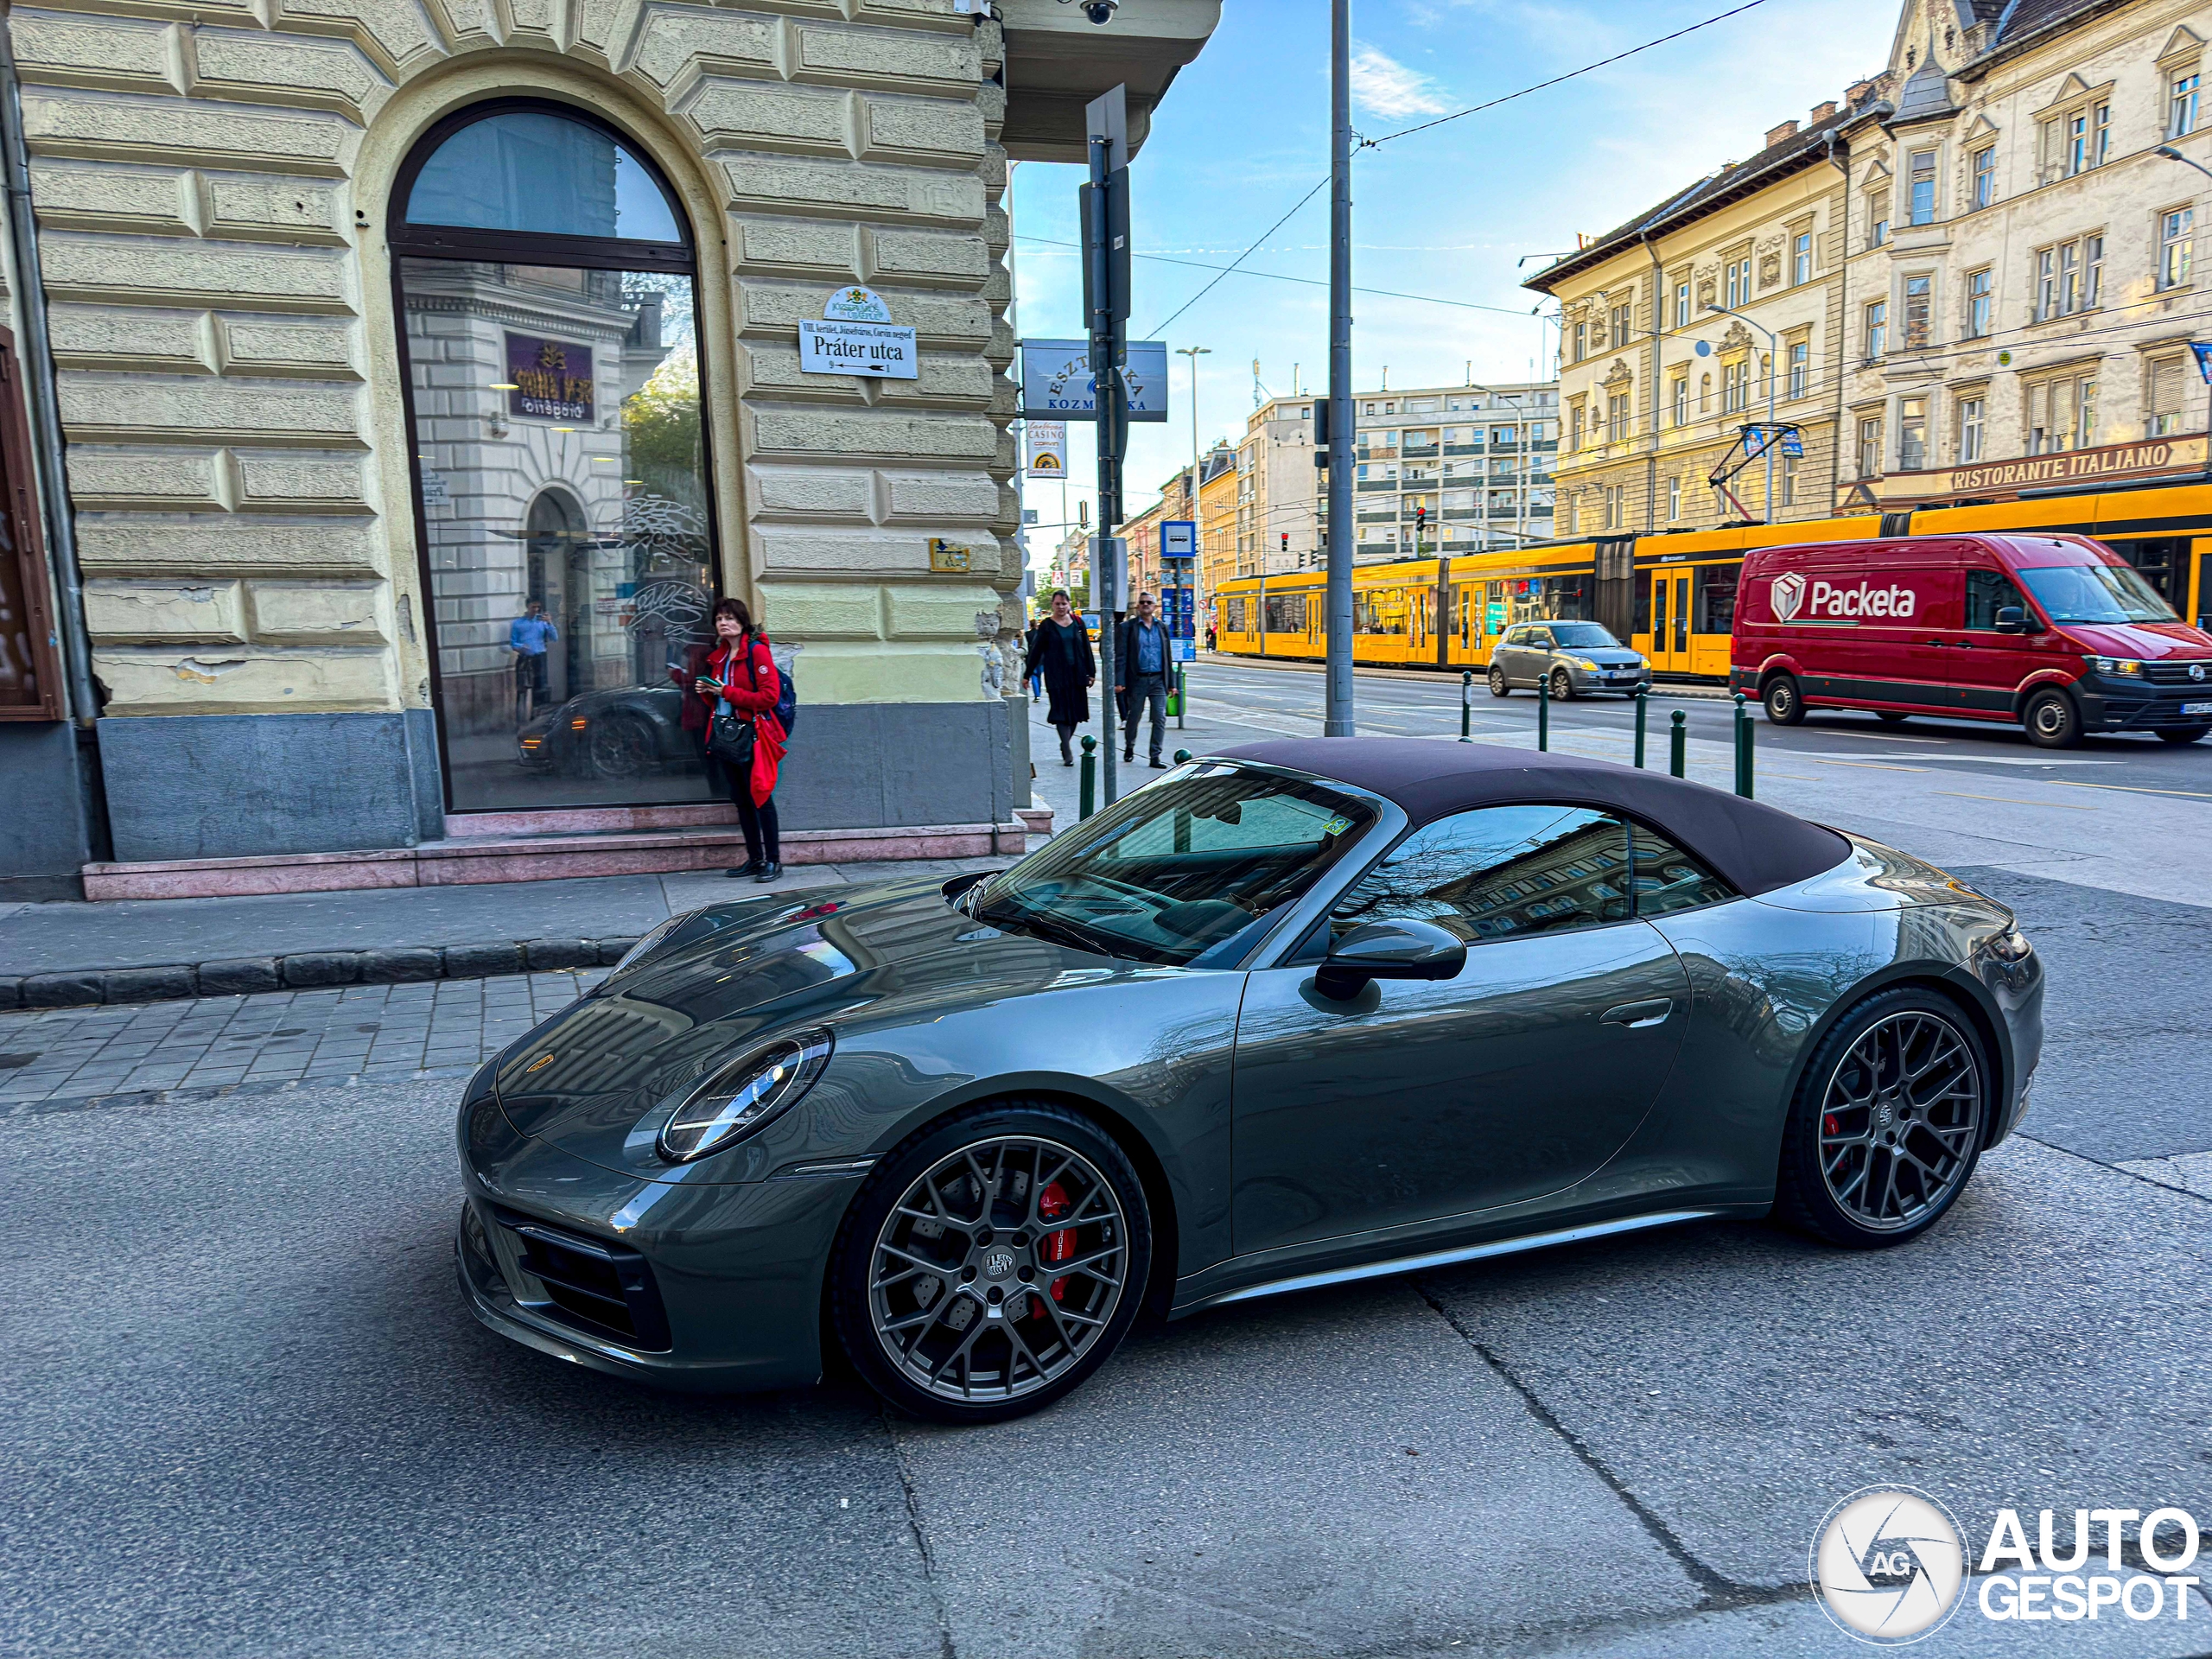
1638,1016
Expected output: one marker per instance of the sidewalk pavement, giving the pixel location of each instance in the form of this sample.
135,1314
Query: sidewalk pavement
66,955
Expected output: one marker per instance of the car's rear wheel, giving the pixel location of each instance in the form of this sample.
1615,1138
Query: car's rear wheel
2052,721
2182,733
991,1263
1784,707
1888,1121
1498,688
1562,685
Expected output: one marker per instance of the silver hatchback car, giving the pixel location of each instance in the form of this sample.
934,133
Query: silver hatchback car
1575,658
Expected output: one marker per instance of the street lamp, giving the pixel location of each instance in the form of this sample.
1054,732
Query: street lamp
1194,353
1773,362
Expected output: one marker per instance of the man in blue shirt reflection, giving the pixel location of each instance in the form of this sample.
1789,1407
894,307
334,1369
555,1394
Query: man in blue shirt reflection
528,637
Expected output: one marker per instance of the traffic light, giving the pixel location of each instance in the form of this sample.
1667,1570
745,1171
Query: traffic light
1421,519
1286,541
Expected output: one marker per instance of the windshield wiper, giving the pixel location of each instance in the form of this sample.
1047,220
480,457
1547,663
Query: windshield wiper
1045,927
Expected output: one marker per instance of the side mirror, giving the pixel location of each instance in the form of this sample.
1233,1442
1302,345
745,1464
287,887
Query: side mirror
2010,619
1388,950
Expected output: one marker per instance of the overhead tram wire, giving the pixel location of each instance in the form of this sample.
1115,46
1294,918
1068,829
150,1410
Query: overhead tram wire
1278,276
1161,327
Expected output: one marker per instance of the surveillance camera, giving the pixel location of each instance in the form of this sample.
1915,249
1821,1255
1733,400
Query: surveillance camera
1100,11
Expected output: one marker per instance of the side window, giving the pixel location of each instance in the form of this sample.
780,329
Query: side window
1668,879
1988,593
1541,638
1516,636
1499,872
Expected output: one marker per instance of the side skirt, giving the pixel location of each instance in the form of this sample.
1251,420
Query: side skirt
1452,1257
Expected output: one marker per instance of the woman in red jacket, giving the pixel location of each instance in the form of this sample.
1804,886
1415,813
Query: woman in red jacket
741,679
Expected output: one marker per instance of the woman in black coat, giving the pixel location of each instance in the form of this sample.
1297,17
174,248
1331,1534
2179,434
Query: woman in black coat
1060,648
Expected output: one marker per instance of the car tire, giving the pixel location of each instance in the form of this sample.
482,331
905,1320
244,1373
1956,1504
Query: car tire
2182,733
1785,705
1562,686
1026,1147
2052,721
1832,1157
619,746
1498,688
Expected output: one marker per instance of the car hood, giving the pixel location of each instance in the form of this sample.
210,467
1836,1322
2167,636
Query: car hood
1605,655
599,1079
2148,640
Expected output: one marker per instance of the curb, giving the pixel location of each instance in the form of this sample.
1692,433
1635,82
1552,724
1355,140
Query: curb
1442,676
305,970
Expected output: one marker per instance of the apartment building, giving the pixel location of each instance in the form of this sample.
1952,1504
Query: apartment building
1444,469
2022,288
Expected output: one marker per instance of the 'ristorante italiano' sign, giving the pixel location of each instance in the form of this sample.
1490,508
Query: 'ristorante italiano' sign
2113,461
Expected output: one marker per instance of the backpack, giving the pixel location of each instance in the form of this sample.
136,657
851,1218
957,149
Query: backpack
787,692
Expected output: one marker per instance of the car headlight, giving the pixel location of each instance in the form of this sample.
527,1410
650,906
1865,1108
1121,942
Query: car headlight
739,1098
1583,662
2126,665
644,947
2008,946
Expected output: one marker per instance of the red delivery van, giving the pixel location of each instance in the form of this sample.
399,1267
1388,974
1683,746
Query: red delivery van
2056,632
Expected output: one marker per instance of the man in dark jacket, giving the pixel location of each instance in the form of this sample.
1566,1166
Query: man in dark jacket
1059,649
1141,657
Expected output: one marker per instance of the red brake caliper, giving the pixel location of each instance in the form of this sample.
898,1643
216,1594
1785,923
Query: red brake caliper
1052,1203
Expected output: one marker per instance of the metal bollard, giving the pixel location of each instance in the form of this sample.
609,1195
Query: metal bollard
1640,701
1182,756
1544,712
1182,692
1678,750
1742,748
1089,788
1466,704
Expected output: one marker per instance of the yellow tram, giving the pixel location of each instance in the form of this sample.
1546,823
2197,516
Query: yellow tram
1672,596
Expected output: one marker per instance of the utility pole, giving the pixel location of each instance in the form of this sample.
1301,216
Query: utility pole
1338,719
1194,353
1105,203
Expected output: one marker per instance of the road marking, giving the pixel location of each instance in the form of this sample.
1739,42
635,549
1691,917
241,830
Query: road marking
1872,766
2131,789
1974,760
2009,800
1879,737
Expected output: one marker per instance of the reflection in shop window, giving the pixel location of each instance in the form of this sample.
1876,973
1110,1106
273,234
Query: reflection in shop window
555,398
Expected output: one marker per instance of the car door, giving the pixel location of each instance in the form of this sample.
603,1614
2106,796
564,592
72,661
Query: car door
1503,655
1991,665
1417,1100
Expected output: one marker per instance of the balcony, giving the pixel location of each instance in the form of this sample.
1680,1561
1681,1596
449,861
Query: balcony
1462,513
1419,451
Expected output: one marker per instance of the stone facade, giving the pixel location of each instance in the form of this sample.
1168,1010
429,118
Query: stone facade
1653,386
2033,251
213,183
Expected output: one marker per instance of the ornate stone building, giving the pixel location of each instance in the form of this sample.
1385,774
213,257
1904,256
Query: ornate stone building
375,325
2022,286
1654,386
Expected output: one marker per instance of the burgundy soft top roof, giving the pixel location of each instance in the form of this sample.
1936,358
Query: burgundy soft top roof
1756,847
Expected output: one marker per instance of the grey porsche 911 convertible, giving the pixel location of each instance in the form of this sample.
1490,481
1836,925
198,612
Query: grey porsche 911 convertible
1295,1014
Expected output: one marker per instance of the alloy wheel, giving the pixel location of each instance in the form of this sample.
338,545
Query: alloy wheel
997,1269
1499,687
1900,1121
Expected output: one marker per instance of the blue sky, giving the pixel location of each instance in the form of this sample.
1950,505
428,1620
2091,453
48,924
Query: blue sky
1244,133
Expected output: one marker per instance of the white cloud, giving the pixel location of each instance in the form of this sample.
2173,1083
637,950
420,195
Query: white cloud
1386,87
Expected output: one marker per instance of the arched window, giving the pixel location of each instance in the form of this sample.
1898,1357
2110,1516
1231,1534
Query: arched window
543,274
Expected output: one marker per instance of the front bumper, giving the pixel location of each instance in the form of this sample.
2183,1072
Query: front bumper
705,1288
2108,706
1626,681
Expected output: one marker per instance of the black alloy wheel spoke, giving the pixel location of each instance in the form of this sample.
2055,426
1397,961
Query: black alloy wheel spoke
1906,1102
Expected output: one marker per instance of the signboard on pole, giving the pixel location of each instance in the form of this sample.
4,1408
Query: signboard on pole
1179,538
1056,383
2202,351
1048,448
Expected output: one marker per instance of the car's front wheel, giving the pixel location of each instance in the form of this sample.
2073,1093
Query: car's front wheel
991,1263
1498,688
2052,721
1888,1121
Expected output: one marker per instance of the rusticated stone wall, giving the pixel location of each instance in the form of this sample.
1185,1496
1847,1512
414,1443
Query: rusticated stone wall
210,180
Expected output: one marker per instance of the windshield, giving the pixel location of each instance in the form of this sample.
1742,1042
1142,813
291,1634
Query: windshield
1582,636
2096,592
1186,873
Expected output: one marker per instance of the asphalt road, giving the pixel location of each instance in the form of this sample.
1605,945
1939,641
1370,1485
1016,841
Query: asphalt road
244,1411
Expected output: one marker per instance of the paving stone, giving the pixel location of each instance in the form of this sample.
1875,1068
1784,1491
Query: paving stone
314,968
150,984
242,975
61,990
473,960
11,991
543,954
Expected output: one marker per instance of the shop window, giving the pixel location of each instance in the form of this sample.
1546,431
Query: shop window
545,280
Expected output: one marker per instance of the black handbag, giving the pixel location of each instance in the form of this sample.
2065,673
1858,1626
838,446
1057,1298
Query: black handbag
730,741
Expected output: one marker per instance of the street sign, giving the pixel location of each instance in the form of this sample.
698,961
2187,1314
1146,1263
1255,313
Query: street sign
1055,382
1179,538
856,336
